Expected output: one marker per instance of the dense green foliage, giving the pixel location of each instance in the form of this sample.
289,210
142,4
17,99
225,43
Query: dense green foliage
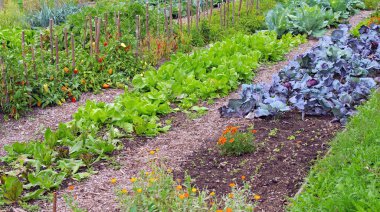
184,80
44,84
347,179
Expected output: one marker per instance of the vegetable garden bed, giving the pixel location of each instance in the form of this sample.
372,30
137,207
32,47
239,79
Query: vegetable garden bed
286,148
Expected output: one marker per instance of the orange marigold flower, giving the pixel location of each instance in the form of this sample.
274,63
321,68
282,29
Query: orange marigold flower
254,131
243,177
182,196
186,195
71,188
219,210
228,209
222,140
257,197
232,140
231,195
139,190
232,185
234,130
226,131
179,187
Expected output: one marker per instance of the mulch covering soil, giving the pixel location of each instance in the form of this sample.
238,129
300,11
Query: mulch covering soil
278,166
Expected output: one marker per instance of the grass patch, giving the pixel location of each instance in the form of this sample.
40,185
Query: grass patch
348,179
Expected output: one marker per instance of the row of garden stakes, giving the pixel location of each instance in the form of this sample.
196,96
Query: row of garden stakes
224,10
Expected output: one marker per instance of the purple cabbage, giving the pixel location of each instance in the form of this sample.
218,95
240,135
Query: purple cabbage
333,78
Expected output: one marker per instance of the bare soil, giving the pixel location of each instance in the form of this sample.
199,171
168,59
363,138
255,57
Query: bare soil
275,170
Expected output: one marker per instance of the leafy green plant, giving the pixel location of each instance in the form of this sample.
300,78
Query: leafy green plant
236,142
11,189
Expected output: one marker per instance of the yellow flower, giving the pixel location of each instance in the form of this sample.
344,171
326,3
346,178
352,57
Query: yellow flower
133,180
124,191
194,190
123,45
152,152
152,180
170,170
113,180
179,187
139,190
212,194
232,185
257,197
147,173
219,210
231,195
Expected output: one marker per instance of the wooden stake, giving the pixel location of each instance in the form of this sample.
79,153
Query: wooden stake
224,14
247,6
147,25
34,63
51,41
257,4
171,17
90,28
4,79
137,34
55,202
158,20
65,38
72,51
240,4
85,32
233,12
197,16
23,56
227,17
166,22
211,9
97,37
42,48
56,53
188,17
221,14
105,26
180,16
118,26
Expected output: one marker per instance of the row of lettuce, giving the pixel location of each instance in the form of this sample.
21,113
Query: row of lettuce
34,168
43,83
